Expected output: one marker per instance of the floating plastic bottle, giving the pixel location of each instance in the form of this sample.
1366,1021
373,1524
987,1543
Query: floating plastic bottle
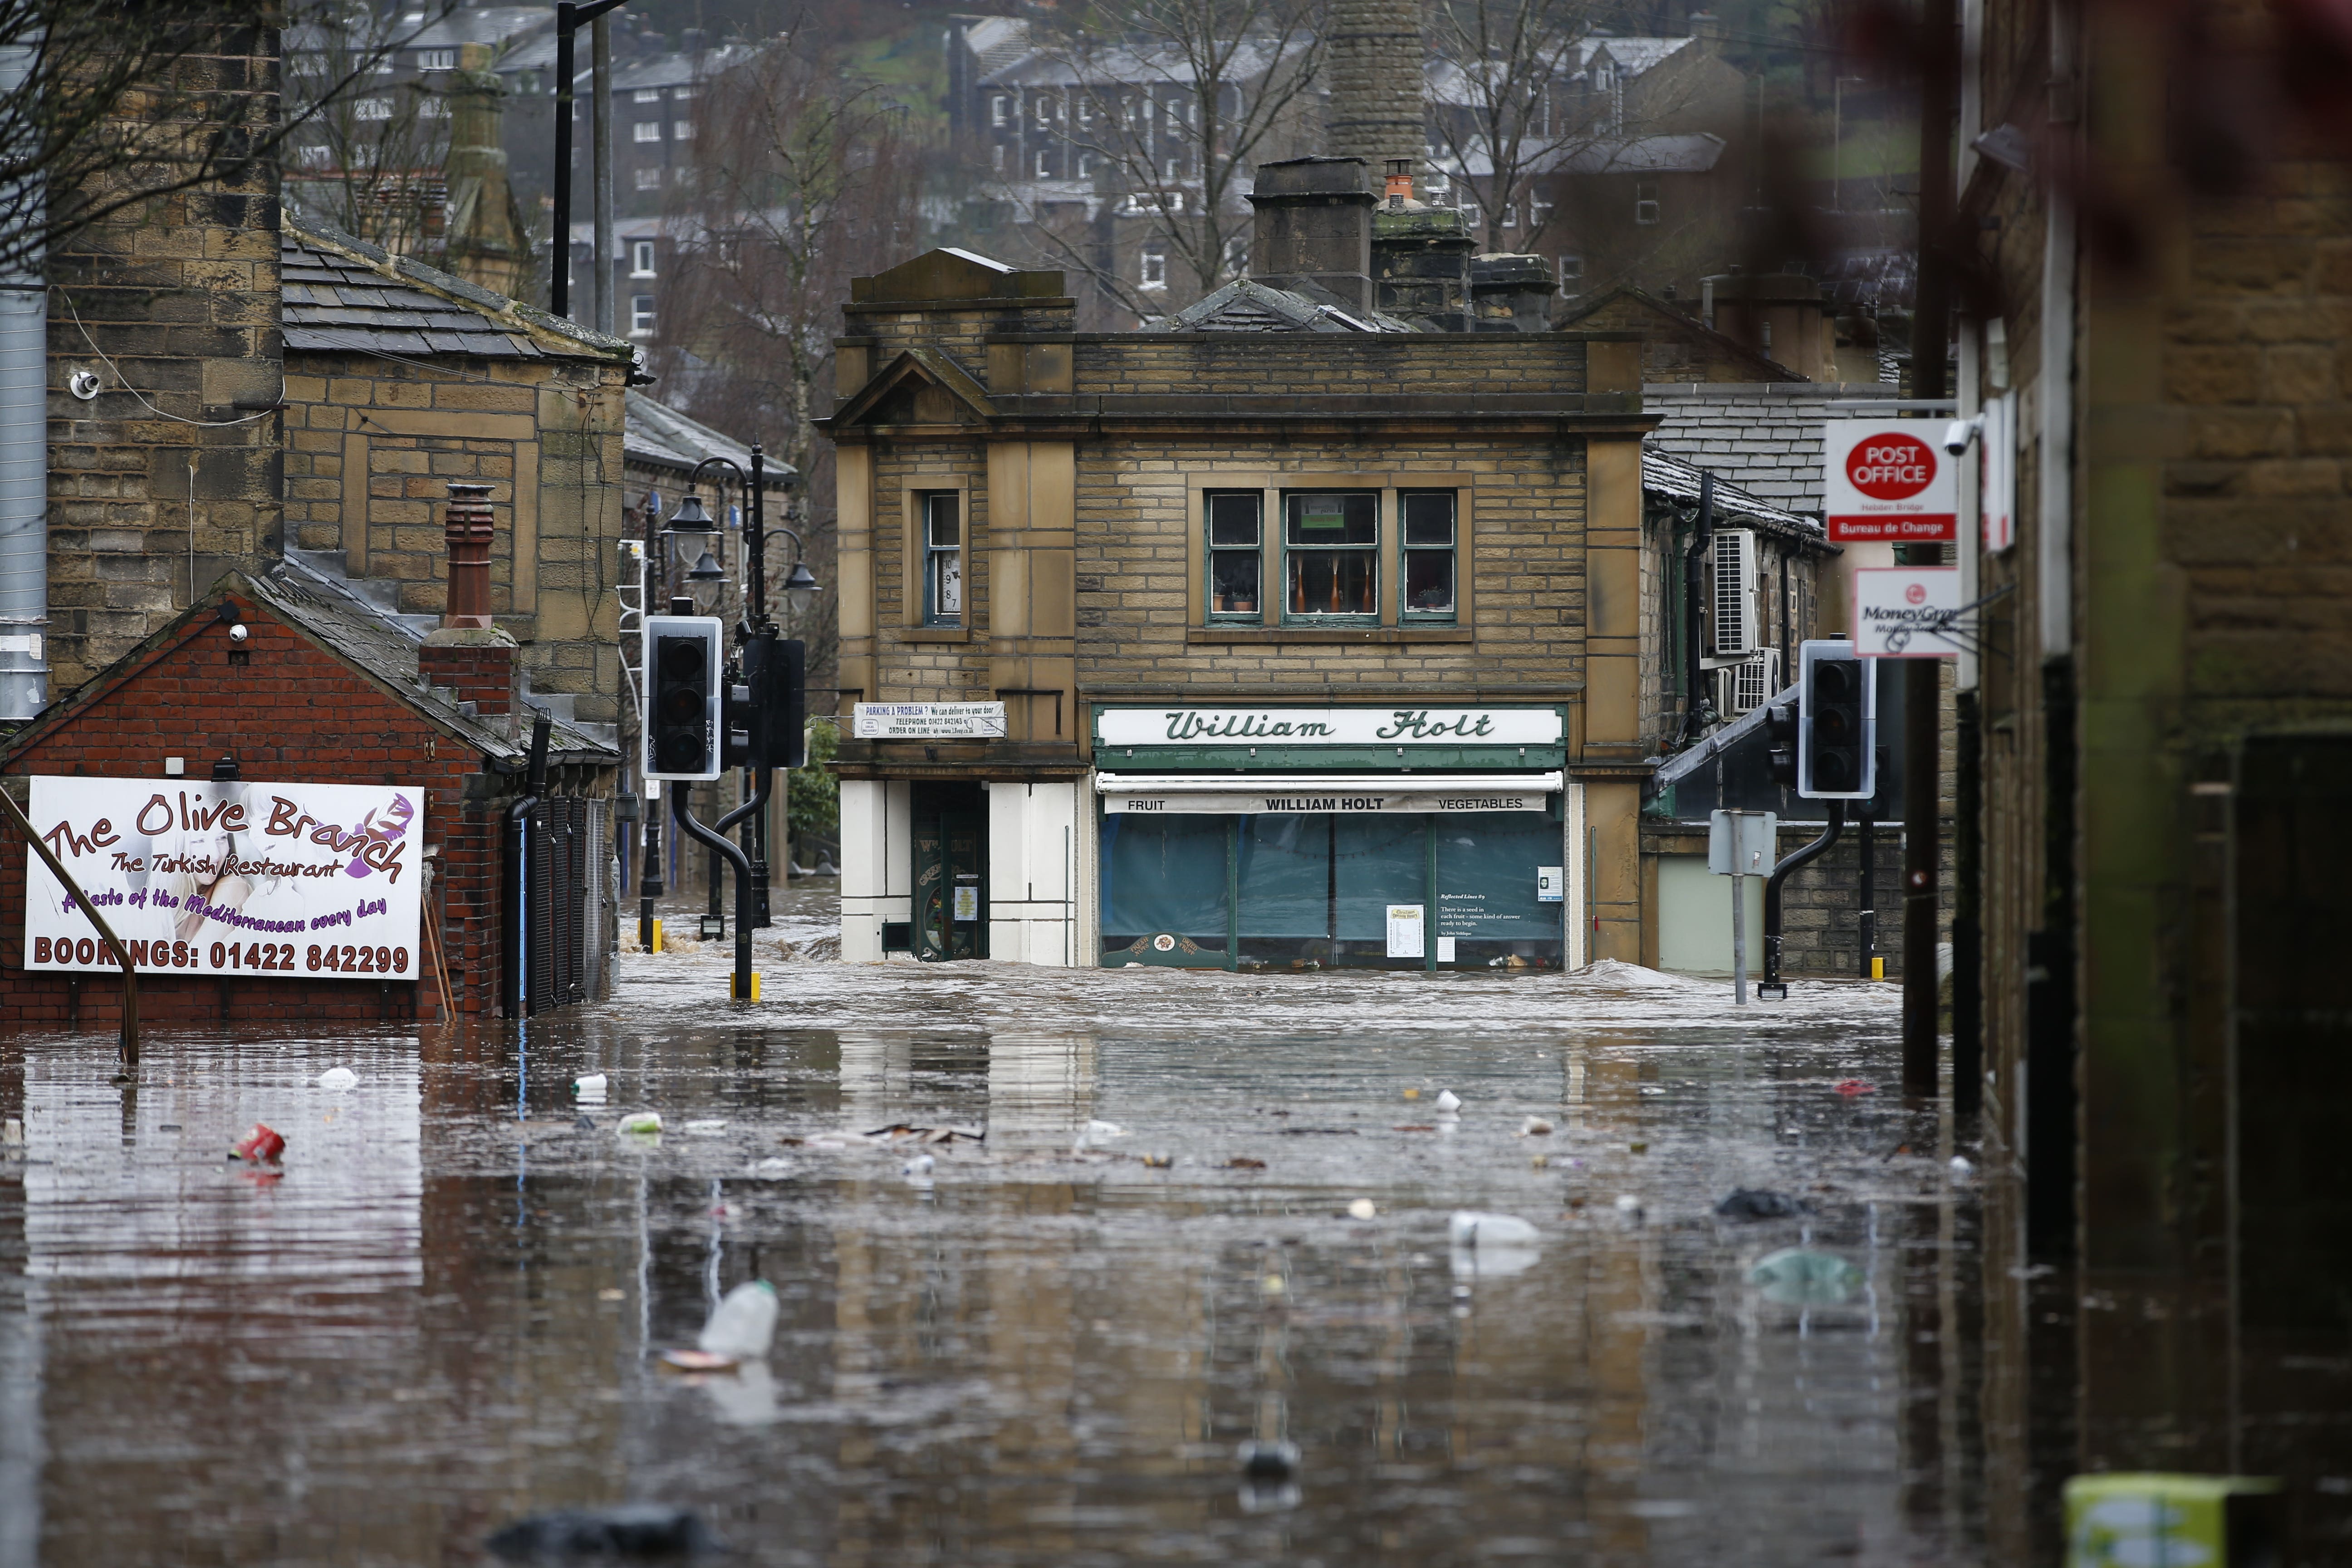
744,1325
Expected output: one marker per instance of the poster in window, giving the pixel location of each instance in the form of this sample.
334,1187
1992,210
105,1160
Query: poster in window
1404,931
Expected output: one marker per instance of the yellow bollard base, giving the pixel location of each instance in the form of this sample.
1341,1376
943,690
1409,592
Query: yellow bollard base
755,986
657,938
1877,968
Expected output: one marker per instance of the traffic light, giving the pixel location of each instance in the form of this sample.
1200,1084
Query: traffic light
682,696
1837,724
1781,739
766,712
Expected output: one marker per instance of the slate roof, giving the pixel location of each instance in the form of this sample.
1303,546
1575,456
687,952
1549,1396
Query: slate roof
344,294
1766,436
377,648
657,434
1245,305
1669,476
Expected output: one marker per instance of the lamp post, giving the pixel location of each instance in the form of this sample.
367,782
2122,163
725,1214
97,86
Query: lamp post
650,577
569,14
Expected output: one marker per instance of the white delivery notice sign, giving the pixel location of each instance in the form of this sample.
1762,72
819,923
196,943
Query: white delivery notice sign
228,879
1907,612
928,721
1886,480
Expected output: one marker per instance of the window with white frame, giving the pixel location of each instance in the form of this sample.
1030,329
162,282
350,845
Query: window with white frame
646,131
1086,111
681,92
436,59
645,95
999,110
641,259
1045,109
1538,211
1237,553
641,315
1044,161
681,130
1427,543
1510,215
942,523
1154,276
1572,274
371,108
1646,201
1086,165
648,178
996,157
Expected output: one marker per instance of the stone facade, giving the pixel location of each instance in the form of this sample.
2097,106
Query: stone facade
1078,464
172,473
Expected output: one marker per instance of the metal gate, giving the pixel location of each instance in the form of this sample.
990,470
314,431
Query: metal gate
562,894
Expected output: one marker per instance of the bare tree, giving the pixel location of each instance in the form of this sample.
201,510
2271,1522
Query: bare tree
1178,101
804,176
106,106
1502,76
370,161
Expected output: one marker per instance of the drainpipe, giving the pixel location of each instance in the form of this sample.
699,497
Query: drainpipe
1695,701
520,914
23,465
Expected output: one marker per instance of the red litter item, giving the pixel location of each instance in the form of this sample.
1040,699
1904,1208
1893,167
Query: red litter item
1854,1086
260,1144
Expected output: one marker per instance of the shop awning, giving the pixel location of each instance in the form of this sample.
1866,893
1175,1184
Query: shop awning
1251,794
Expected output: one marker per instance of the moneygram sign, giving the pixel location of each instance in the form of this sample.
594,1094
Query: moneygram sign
1886,480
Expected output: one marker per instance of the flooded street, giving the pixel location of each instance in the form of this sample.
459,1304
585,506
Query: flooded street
448,1311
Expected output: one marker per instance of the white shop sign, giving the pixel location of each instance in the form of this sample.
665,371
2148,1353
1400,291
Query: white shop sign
1888,479
1320,802
928,721
1906,612
1331,727
1336,794
270,880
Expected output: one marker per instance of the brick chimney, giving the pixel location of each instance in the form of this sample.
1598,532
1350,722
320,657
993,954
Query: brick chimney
467,653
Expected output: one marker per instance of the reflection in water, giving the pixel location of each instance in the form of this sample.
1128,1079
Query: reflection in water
448,1313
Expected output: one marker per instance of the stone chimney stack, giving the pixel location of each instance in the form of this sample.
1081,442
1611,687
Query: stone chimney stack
1314,230
489,245
467,653
1375,66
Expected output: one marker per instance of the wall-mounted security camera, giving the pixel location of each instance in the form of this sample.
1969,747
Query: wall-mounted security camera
1960,433
84,385
238,633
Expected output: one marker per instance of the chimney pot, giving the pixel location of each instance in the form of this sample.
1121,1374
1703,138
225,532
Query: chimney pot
468,653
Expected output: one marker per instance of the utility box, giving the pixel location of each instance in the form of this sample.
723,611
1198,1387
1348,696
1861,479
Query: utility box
1742,843
2144,1519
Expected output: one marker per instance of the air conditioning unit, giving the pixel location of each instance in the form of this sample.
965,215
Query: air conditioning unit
1743,688
1735,592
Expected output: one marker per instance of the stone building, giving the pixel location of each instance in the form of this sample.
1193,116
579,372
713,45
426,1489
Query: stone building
2158,722
1316,642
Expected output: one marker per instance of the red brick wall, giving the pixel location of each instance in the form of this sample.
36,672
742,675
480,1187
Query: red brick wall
293,712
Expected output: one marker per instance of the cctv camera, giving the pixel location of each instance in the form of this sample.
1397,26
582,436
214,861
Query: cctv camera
1960,433
238,634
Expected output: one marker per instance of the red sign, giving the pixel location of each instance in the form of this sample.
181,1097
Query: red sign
1885,482
1890,467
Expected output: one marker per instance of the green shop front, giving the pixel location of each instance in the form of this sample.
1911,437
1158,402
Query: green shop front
1375,837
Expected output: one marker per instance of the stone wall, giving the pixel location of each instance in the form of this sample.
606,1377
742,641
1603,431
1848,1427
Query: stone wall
172,474
374,443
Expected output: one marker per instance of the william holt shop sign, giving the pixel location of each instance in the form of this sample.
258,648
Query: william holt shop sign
1331,726
247,878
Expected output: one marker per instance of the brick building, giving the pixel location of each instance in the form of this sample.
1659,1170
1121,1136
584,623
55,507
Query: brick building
320,691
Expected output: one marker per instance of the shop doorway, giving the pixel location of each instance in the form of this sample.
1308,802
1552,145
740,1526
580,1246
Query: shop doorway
950,845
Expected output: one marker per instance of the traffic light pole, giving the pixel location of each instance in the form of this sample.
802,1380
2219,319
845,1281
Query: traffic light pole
718,844
1771,984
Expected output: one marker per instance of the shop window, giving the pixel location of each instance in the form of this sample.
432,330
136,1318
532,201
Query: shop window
1235,524
1163,880
1429,554
942,559
1330,550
